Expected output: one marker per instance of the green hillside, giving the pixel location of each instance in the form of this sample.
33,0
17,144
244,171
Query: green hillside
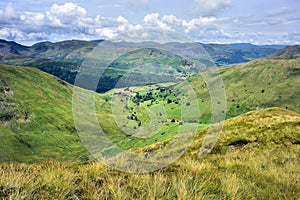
262,83
266,129
257,157
36,117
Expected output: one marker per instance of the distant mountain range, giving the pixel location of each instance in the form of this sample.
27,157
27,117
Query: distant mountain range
249,45
63,59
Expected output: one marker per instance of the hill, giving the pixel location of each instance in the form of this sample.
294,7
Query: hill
36,121
290,52
244,165
73,51
258,84
254,131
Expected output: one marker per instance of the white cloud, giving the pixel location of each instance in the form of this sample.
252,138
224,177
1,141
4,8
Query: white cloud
122,20
154,21
151,18
67,13
212,7
201,22
106,32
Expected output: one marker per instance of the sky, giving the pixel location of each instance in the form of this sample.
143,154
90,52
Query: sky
207,21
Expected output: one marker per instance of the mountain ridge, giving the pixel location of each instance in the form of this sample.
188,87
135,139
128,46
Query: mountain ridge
290,52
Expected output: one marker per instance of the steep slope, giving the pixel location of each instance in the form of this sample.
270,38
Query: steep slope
63,70
73,51
36,117
290,52
255,85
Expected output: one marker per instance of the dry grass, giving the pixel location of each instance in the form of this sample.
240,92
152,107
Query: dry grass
236,175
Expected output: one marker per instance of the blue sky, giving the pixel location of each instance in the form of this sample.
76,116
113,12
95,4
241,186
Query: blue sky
208,21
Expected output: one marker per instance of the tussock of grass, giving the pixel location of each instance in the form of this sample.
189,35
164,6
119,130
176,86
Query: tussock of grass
243,175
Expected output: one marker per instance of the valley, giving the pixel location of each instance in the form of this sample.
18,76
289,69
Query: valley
41,136
32,111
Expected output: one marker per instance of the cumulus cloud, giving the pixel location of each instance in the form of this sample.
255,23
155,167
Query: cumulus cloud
66,19
212,7
154,21
198,23
171,22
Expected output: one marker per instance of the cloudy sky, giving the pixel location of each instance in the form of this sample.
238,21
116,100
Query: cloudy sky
207,21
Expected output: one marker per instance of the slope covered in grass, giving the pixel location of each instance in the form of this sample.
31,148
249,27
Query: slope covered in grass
36,117
269,129
265,168
262,83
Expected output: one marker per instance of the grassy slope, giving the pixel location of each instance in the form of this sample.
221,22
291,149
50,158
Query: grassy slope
266,129
261,83
266,168
48,131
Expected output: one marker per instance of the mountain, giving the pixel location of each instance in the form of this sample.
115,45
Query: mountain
63,59
256,156
249,45
73,51
36,121
224,54
290,52
11,47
